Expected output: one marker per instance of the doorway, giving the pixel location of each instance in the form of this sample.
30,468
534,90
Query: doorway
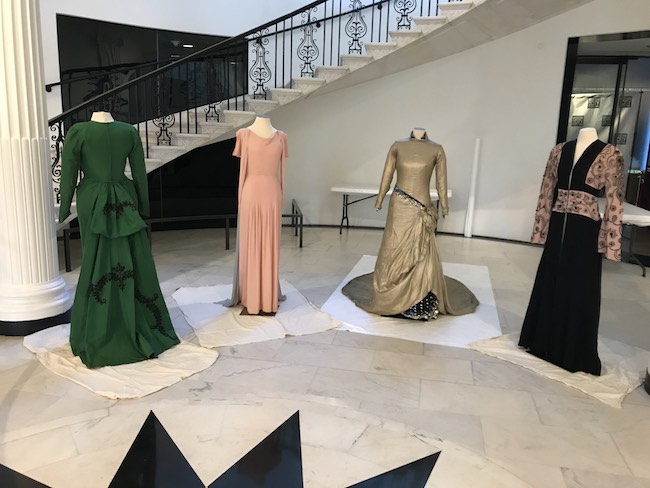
607,87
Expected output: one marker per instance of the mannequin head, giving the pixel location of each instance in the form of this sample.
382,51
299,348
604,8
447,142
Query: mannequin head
418,133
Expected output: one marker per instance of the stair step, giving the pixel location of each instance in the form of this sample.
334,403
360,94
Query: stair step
404,37
285,95
355,61
331,73
150,163
238,117
454,9
429,24
307,84
165,153
209,127
261,106
213,128
380,49
191,141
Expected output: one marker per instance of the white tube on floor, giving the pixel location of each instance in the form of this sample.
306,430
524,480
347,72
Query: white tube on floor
469,216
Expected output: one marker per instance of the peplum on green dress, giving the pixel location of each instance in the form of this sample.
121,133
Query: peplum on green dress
119,315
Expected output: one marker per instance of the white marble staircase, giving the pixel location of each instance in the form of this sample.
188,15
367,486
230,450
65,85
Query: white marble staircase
204,132
494,19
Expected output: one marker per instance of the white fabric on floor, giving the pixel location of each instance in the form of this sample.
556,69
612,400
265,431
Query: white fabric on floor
623,367
216,325
447,330
52,348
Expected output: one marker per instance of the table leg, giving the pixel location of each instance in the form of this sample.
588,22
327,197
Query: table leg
634,256
344,216
294,220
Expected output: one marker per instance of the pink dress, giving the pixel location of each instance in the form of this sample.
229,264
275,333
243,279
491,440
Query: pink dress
261,188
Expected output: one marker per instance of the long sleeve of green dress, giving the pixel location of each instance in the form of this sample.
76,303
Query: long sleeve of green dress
70,165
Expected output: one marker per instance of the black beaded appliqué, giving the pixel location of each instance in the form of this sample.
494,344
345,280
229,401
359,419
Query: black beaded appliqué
118,273
150,304
425,309
118,208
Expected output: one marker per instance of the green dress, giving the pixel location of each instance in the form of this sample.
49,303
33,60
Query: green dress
119,315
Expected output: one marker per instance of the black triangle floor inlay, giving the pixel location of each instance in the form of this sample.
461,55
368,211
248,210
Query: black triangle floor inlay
13,479
154,461
412,475
274,462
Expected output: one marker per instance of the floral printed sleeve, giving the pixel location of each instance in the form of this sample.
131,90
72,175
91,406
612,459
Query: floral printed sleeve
609,238
545,200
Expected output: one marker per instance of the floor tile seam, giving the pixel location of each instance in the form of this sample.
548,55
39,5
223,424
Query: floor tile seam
333,367
505,464
358,348
62,428
495,389
371,367
620,453
473,373
395,375
597,437
482,424
312,379
330,368
56,424
539,415
274,366
538,397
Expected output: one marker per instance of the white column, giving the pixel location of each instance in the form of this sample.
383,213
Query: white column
31,288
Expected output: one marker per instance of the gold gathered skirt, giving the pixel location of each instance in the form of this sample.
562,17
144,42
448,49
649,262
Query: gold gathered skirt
408,266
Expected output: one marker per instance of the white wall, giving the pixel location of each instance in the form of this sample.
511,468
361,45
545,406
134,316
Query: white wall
507,93
213,17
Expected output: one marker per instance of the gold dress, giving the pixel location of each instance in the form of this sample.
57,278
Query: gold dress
408,269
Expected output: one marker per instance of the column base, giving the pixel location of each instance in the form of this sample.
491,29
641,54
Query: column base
27,327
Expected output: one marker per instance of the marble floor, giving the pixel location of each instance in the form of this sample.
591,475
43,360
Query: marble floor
367,404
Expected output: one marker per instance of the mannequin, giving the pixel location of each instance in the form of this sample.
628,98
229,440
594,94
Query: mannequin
103,117
262,126
262,150
562,318
585,137
408,279
419,133
119,315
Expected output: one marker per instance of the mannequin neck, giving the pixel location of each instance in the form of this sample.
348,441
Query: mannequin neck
419,133
586,136
262,126
103,117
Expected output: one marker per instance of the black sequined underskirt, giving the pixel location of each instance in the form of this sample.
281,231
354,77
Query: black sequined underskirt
425,309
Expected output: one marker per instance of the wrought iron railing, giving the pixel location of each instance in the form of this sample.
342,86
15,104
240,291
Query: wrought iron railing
174,98
79,85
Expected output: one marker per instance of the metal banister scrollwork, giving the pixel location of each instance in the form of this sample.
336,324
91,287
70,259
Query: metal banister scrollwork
227,75
307,49
213,111
260,72
404,8
163,136
356,28
57,147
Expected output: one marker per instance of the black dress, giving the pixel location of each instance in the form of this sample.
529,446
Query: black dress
561,323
